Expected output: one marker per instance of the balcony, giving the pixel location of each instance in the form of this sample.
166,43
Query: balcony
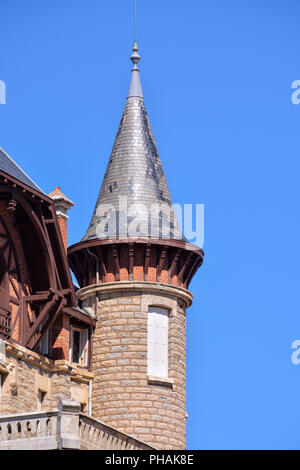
63,428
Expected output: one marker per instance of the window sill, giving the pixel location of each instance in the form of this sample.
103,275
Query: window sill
160,381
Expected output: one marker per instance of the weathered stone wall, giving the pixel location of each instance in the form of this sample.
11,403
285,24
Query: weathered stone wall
26,377
123,395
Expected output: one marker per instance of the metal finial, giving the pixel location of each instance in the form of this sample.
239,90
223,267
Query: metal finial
135,56
135,88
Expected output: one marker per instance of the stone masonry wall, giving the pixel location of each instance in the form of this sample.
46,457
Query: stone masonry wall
123,396
31,382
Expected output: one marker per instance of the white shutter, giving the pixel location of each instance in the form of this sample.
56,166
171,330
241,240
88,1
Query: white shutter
84,346
158,347
71,345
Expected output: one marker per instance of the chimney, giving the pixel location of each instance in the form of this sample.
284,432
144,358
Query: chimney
62,204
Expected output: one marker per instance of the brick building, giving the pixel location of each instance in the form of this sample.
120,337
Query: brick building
102,365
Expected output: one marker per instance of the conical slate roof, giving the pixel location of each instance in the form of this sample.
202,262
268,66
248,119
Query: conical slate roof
134,200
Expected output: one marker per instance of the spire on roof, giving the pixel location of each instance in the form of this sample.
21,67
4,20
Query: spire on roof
134,176
135,88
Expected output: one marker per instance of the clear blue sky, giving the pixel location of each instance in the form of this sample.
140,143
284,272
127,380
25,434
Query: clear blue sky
217,81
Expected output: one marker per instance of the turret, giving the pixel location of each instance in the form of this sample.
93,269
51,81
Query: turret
134,267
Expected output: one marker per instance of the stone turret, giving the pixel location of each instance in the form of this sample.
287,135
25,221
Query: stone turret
134,268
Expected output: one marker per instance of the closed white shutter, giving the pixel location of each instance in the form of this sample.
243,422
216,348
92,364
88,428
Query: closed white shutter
84,347
158,347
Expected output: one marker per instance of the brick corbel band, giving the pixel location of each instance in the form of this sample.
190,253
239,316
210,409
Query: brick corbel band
172,262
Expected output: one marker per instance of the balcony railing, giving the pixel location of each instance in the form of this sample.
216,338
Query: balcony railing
95,435
34,431
64,428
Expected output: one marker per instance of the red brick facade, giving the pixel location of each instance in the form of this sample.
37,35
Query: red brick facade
60,337
62,222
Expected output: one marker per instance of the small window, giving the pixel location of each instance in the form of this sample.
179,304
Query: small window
158,342
76,346
41,399
79,346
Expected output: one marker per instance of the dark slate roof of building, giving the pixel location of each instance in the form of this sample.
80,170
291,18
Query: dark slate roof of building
134,175
9,166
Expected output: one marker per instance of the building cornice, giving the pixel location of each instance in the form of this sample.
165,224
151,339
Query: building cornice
135,286
58,366
149,241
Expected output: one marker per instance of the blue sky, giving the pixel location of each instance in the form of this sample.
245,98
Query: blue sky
217,78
